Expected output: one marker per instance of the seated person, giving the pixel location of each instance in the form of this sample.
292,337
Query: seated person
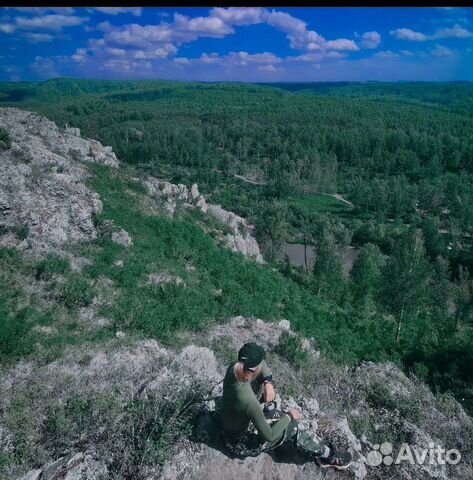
242,386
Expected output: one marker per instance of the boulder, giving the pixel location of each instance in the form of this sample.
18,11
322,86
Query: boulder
122,237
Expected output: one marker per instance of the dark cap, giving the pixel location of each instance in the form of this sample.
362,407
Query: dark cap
251,355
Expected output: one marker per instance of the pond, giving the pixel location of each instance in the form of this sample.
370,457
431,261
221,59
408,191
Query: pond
298,255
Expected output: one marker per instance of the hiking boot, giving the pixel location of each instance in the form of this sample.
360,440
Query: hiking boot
337,460
271,412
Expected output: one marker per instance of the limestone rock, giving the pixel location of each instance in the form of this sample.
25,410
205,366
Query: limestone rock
73,467
284,325
240,239
43,182
122,237
73,131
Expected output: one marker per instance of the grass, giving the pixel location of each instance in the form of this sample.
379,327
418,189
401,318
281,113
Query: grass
162,244
170,245
290,347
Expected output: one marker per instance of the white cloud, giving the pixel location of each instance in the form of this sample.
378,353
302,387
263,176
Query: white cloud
455,32
105,26
39,37
386,54
407,53
239,16
441,51
47,67
118,52
233,59
132,45
312,46
286,23
243,58
157,53
342,44
316,57
43,10
370,40
202,26
306,57
212,58
408,34
268,68
335,55
136,11
80,55
7,28
55,22
182,61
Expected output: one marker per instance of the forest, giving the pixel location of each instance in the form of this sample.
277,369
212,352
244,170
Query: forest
386,169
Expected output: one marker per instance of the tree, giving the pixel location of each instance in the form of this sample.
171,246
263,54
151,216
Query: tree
328,270
464,297
405,279
272,227
366,272
434,243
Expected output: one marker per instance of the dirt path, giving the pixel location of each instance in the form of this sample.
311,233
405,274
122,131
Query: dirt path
339,198
248,180
245,179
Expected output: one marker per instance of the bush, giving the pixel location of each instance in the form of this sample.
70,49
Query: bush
5,140
51,266
75,292
379,397
14,328
290,347
22,231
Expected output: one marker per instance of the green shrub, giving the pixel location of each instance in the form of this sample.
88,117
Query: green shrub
290,347
14,328
5,140
379,396
50,266
75,155
75,292
22,231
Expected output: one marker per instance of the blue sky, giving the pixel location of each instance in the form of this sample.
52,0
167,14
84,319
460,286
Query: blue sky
238,44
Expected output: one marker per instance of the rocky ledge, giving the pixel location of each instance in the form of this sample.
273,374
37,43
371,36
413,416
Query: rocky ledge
344,405
44,200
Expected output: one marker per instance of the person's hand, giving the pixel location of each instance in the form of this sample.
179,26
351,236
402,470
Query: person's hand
295,414
269,393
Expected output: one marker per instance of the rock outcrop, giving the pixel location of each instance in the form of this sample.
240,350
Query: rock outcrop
343,406
238,239
42,183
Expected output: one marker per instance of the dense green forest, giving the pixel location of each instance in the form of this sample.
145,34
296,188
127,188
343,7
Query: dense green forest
401,155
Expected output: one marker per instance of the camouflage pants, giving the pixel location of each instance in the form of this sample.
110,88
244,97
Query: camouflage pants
248,444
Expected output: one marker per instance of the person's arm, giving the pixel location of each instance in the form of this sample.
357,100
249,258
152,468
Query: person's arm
266,372
269,433
268,384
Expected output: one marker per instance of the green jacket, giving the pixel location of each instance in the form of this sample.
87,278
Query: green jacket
240,406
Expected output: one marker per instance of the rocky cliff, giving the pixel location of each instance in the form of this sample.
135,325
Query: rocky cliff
42,183
333,400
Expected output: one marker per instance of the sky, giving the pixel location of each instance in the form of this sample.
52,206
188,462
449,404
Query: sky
249,44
